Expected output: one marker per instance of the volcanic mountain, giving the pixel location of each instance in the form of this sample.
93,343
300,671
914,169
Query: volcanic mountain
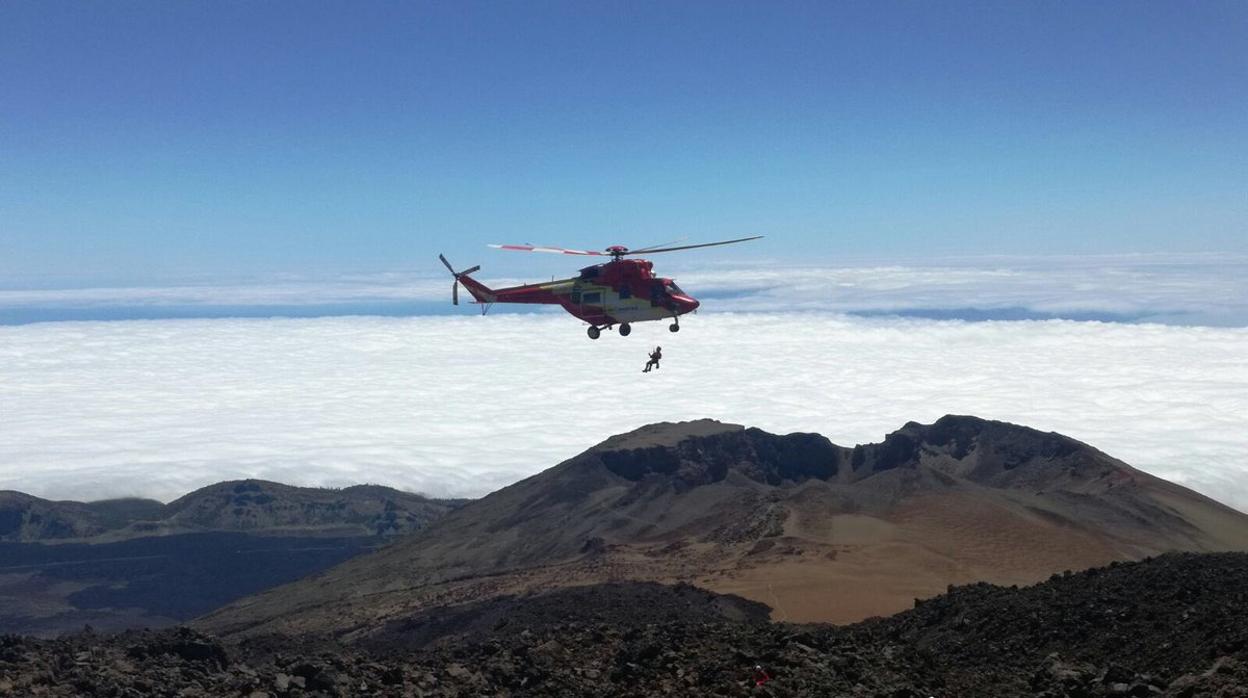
817,531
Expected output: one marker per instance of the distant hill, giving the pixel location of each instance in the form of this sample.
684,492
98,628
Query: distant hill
816,531
256,505
27,518
242,505
128,563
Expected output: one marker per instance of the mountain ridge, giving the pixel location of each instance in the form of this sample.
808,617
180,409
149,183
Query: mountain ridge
249,505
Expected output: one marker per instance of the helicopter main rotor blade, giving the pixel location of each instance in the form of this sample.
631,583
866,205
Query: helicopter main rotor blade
652,250
647,248
552,250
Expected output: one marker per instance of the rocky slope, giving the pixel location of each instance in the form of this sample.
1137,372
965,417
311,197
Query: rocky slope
1167,626
817,531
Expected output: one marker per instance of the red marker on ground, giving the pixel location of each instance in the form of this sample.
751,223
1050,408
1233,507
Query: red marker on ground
760,676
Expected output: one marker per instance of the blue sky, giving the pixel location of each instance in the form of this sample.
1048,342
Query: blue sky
154,142
1007,160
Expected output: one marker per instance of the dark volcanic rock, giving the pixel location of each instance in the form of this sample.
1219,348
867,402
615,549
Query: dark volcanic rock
773,459
616,604
1163,616
1170,626
183,643
702,460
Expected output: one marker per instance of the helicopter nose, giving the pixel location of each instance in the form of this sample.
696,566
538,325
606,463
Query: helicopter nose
686,304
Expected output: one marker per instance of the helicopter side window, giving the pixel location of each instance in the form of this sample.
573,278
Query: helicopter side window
593,298
625,293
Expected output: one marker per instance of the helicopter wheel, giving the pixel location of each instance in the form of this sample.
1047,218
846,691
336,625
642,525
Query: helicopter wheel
625,329
593,332
674,327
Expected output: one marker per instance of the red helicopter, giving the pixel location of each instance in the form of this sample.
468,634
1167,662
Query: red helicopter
619,292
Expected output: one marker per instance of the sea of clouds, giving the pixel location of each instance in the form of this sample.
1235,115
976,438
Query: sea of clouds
1183,289
462,405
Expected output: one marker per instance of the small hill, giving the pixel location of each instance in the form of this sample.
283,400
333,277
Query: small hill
816,531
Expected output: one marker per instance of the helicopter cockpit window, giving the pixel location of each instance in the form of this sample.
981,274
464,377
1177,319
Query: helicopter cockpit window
673,288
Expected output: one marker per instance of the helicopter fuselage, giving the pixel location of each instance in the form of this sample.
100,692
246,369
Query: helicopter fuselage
618,292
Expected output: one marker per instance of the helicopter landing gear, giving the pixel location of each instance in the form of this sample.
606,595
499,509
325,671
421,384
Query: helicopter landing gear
675,326
593,332
625,329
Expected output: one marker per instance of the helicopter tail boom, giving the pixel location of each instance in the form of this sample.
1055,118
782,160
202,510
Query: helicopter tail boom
480,292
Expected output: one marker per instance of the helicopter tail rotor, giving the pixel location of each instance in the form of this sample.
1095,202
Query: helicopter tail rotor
457,275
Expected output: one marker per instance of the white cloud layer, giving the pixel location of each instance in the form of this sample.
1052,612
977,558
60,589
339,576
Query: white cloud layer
1194,290
464,405
1185,289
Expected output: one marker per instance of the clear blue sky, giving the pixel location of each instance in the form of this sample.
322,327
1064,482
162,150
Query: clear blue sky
158,140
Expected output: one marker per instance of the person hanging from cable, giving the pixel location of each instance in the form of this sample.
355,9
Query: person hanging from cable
654,359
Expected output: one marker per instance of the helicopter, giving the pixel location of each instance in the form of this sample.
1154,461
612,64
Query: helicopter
611,295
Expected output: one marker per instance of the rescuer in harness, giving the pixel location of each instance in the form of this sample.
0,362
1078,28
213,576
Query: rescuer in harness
654,359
